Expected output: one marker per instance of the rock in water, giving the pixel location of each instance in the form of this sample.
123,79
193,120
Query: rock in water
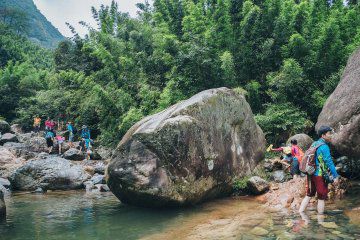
187,153
52,173
4,127
303,140
341,110
256,185
2,206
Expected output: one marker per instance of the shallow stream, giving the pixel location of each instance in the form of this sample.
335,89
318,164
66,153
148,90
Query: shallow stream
80,215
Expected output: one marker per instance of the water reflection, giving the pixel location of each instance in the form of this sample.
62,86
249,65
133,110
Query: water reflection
80,215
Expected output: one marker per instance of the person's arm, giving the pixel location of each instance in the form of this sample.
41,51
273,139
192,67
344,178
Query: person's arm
325,150
280,149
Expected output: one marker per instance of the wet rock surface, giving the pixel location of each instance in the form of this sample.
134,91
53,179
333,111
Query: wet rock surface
188,153
52,173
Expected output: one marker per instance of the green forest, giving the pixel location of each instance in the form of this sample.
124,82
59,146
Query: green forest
286,56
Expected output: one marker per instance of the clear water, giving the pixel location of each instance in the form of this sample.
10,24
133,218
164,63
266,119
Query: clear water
79,215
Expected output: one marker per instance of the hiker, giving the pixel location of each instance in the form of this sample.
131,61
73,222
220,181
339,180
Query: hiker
88,147
85,142
37,123
72,131
60,139
297,154
286,156
49,136
318,182
49,124
85,132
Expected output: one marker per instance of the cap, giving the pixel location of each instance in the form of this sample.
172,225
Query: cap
324,129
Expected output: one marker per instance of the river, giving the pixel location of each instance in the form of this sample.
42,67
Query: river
80,215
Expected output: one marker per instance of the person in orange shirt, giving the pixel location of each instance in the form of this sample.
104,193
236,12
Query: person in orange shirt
37,124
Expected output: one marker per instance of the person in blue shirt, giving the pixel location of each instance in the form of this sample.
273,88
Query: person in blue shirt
324,161
85,132
70,128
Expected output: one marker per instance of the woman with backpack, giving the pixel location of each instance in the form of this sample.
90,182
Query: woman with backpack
297,154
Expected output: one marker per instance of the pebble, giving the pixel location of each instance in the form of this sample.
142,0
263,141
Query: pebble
329,225
259,231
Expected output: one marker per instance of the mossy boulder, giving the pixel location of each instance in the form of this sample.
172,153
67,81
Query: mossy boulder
187,153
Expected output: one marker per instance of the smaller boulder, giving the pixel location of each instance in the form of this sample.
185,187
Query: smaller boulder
6,156
39,190
4,182
74,154
8,137
4,127
16,128
303,141
102,187
37,144
278,176
256,185
98,179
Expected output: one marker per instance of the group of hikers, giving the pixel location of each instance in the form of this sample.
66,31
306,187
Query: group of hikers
316,164
51,135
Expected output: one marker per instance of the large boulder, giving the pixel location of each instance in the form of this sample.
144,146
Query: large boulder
52,173
342,112
303,140
8,137
20,150
4,127
187,153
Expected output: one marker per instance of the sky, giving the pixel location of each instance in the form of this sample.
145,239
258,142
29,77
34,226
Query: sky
58,12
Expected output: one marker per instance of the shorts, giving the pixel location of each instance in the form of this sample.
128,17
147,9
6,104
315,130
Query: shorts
316,184
36,129
49,142
60,142
71,137
295,167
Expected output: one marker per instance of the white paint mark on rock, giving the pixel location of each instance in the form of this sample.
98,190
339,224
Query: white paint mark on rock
210,164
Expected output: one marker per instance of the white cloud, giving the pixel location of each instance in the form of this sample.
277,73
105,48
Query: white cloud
58,12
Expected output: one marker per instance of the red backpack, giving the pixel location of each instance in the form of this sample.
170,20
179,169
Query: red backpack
308,164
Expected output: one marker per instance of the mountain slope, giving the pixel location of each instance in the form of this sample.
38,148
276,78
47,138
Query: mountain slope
33,24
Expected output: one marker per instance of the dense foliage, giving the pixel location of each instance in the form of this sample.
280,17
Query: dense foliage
287,55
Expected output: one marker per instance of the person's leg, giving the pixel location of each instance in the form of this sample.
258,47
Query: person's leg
59,148
322,191
310,192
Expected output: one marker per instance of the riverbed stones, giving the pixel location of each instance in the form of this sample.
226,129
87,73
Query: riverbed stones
4,127
256,185
74,154
187,153
304,141
8,137
37,144
341,110
278,176
52,173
